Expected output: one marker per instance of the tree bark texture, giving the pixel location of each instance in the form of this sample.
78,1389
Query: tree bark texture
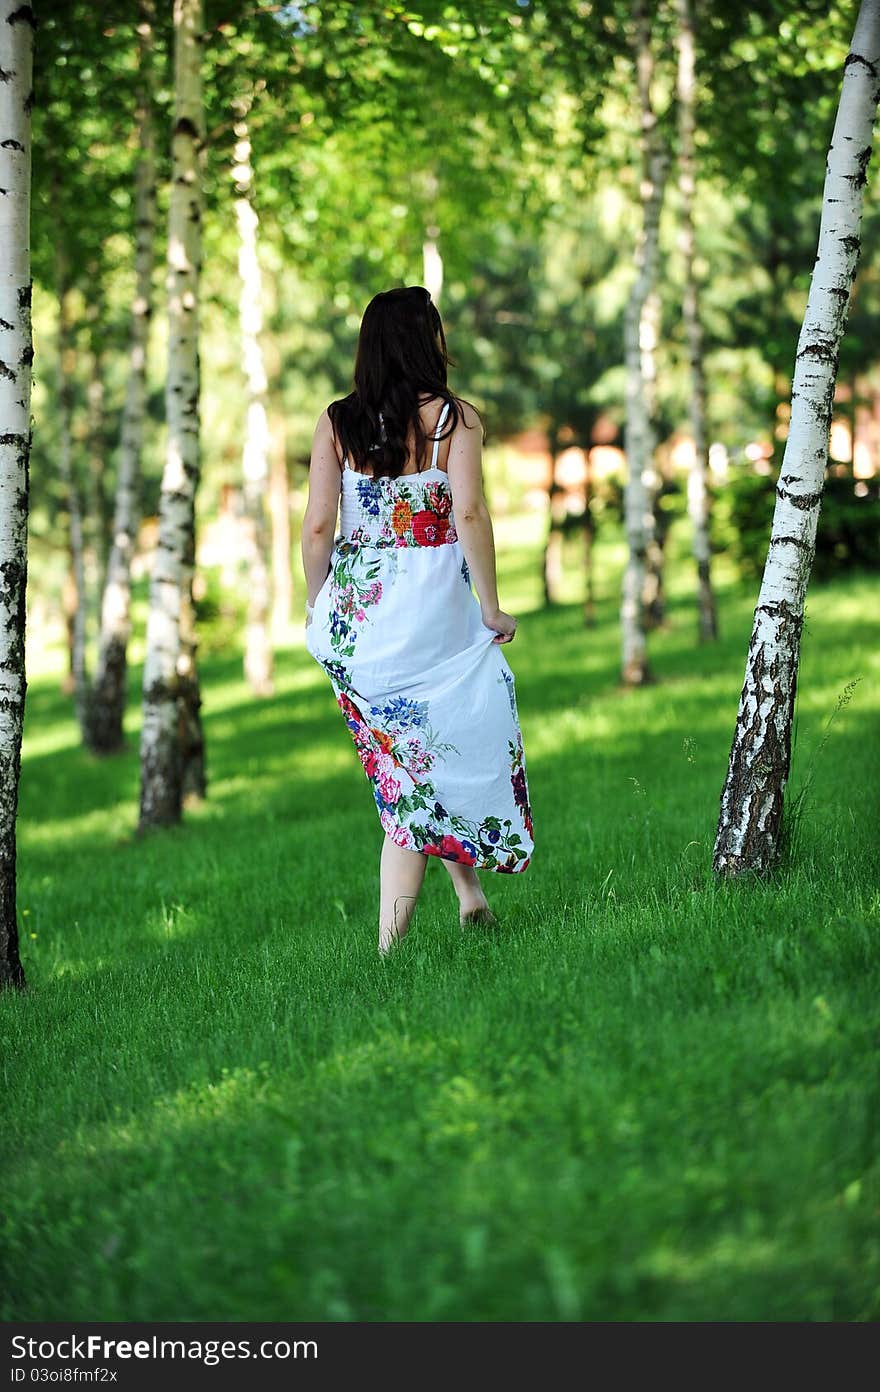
697,486
76,598
750,822
258,657
168,701
279,510
640,444
109,689
17,24
654,599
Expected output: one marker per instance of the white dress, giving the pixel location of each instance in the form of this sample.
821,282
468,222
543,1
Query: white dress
428,696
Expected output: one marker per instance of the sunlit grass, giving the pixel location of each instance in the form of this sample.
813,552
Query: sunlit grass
650,1095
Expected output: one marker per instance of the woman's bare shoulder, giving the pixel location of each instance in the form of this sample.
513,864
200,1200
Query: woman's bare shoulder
469,413
325,432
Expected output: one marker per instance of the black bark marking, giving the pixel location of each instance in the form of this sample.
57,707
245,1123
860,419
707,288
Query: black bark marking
5,372
781,609
184,126
803,501
853,58
23,15
11,145
823,352
5,325
799,542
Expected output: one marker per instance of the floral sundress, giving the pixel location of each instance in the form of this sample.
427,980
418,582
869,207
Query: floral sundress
428,696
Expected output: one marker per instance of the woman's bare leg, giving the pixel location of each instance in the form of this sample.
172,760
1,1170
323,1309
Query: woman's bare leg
400,878
472,902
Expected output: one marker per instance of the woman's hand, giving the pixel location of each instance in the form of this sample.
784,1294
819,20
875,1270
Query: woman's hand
503,624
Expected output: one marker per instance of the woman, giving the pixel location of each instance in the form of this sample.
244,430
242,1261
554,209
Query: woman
414,660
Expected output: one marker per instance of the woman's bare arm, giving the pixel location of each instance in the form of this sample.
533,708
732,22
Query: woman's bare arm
319,522
473,521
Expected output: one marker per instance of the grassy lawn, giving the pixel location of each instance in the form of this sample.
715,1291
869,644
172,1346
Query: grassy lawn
649,1096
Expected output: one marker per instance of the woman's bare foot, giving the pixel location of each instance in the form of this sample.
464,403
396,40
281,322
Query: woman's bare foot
481,915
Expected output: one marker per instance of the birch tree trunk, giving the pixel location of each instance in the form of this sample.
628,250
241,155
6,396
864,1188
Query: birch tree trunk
109,689
589,537
552,565
76,599
639,430
255,457
279,509
95,500
17,24
697,488
169,661
654,602
432,260
750,822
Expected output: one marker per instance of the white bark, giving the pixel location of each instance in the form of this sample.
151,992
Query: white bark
76,598
16,355
432,260
640,444
698,490
649,336
94,502
750,822
168,665
553,545
279,509
255,456
108,694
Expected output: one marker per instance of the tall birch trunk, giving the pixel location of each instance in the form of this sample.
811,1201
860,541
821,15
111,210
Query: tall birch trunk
169,671
697,488
432,260
258,660
552,564
279,510
589,537
638,520
654,600
76,597
109,689
750,822
95,500
17,24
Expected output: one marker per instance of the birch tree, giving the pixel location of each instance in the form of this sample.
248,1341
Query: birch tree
170,690
638,520
697,487
255,454
654,599
748,836
17,23
279,511
108,693
76,598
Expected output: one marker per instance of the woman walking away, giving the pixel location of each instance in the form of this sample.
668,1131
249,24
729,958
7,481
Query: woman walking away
413,657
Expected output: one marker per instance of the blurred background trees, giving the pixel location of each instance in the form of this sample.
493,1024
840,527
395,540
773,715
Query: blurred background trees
492,151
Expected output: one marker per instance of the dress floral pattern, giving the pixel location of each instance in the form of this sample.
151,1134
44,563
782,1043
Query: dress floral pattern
428,697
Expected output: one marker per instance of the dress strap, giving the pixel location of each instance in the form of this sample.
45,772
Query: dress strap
438,428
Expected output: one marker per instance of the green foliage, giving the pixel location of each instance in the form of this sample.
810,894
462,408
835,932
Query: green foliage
847,537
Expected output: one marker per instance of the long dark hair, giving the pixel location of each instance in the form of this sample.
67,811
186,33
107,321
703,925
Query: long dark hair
401,354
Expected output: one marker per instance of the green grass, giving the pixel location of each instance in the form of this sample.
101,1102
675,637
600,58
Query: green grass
651,1095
